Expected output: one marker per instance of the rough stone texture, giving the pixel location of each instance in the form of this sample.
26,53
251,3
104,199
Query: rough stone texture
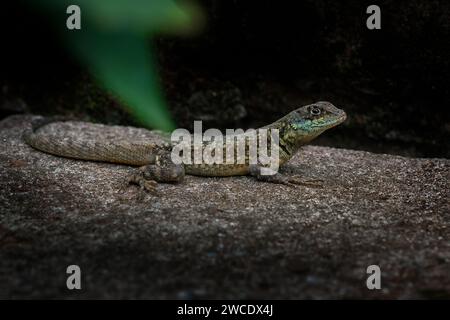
223,237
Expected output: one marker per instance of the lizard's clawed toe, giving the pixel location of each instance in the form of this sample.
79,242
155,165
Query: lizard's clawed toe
149,185
144,184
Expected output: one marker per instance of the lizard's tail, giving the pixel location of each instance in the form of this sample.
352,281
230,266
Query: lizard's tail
124,152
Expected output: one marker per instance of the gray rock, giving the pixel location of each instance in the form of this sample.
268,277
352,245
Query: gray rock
223,237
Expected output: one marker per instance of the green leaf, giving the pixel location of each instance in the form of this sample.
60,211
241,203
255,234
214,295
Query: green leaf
123,64
112,43
136,16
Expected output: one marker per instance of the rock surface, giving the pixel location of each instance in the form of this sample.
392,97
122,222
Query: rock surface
223,237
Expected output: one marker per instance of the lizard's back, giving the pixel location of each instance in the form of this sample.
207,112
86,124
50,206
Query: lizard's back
118,144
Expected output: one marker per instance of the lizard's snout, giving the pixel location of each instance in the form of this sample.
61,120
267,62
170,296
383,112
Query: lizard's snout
342,116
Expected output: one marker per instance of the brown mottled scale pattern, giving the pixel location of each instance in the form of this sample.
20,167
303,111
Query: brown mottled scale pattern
140,149
116,152
230,169
79,144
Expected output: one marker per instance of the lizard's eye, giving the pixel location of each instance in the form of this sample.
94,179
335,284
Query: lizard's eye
315,111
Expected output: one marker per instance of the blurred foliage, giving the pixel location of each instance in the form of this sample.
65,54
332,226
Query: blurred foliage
113,43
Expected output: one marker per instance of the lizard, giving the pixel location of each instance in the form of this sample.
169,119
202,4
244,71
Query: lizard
295,129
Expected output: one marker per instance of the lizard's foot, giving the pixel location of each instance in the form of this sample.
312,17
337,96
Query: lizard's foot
144,184
148,185
279,178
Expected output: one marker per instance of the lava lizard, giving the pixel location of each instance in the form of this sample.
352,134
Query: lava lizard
297,128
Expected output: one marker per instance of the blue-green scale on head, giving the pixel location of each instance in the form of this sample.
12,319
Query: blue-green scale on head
304,124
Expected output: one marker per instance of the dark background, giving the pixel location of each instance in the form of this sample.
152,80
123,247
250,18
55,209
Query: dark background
256,60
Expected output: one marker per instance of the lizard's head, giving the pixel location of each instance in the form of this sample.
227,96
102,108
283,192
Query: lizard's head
306,123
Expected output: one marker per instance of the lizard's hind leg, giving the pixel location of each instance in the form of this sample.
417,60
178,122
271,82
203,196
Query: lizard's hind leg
148,176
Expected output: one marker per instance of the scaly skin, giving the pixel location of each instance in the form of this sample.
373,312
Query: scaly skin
296,129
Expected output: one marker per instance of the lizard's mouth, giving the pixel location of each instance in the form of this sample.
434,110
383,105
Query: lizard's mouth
342,117
333,122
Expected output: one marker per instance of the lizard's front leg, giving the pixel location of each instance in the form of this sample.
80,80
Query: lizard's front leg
279,178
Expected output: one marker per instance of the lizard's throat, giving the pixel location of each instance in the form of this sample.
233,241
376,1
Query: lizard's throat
291,143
